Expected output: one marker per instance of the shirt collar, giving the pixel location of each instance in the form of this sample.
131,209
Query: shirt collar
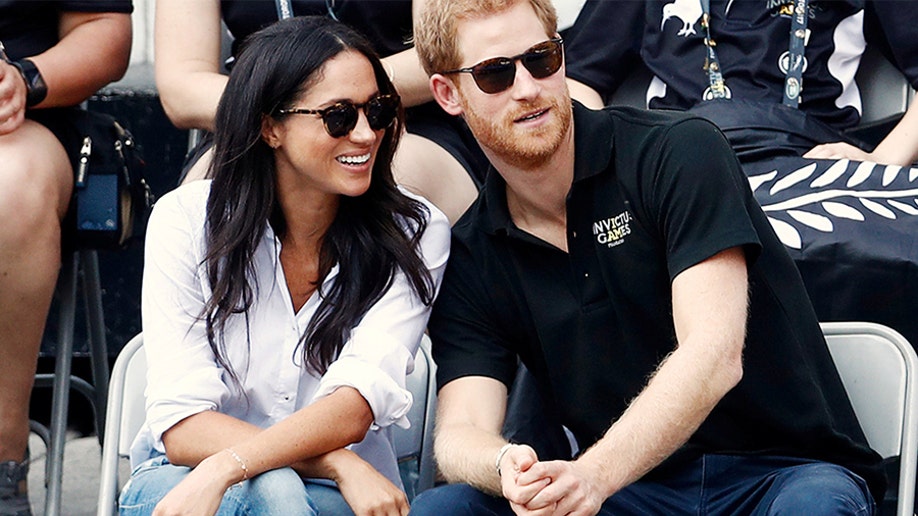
592,130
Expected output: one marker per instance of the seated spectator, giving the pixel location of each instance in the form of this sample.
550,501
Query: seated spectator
284,300
846,213
643,288
57,54
438,158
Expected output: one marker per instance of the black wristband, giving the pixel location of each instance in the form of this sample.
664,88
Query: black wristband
36,88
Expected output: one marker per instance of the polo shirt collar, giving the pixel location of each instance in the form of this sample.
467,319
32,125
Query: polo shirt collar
592,130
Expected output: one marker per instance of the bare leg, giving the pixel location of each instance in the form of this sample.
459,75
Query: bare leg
35,186
425,168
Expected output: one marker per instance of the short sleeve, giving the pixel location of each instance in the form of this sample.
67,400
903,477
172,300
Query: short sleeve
896,20
94,6
601,48
699,196
466,336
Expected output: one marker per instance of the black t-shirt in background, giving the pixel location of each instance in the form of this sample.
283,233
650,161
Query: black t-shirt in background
29,27
386,23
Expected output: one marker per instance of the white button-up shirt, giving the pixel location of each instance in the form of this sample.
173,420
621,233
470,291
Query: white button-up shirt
183,377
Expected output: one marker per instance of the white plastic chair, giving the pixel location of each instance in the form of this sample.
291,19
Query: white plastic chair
878,366
126,413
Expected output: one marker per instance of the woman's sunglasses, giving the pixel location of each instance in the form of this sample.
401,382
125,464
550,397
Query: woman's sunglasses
497,74
341,118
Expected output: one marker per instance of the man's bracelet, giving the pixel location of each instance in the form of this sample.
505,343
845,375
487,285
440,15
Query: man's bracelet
500,455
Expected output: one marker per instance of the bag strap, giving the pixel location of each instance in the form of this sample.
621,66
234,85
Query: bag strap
793,77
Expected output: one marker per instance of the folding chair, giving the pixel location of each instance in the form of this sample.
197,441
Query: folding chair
126,414
414,446
878,367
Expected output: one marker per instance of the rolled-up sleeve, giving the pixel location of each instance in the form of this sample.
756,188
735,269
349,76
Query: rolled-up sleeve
183,377
380,352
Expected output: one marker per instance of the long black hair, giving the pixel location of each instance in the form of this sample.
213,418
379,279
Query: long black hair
372,236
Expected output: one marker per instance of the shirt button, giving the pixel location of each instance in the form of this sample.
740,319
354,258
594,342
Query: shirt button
586,274
574,233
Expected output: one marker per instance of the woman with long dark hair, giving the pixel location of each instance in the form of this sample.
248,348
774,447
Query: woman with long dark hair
283,300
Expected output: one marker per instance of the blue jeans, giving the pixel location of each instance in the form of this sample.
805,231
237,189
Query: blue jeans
712,484
278,492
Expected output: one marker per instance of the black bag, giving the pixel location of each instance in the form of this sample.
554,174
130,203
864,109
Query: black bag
111,197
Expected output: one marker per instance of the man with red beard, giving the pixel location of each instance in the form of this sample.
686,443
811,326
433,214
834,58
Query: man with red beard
621,256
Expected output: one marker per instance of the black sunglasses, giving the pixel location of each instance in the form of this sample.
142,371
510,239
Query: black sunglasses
341,118
497,74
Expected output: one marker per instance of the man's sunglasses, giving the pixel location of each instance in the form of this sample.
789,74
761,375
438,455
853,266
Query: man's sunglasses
497,74
341,118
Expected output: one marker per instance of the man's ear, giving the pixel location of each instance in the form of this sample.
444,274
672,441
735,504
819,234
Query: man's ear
445,93
269,131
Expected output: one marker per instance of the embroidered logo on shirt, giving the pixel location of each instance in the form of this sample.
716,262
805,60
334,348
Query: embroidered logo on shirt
688,12
613,230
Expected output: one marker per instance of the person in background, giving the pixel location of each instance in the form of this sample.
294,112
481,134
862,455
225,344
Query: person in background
285,298
54,56
844,209
642,287
752,50
437,159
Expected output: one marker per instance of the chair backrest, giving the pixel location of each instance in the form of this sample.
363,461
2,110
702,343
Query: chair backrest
414,445
124,416
885,92
126,412
878,366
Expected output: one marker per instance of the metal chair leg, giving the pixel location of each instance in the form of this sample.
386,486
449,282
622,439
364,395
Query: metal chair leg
62,381
95,323
60,397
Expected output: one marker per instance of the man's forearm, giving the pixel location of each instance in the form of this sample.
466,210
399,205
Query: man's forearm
675,402
467,454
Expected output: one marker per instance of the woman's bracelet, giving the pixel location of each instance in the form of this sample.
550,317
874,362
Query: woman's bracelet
245,469
500,455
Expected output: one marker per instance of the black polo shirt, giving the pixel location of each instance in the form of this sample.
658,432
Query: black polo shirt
654,193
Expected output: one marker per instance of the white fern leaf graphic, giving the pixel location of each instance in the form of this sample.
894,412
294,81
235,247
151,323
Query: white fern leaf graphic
813,220
831,174
878,208
905,208
756,181
793,178
912,174
861,174
788,235
890,174
843,211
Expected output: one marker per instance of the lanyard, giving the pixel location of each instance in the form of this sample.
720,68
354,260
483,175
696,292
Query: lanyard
711,63
284,9
793,80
